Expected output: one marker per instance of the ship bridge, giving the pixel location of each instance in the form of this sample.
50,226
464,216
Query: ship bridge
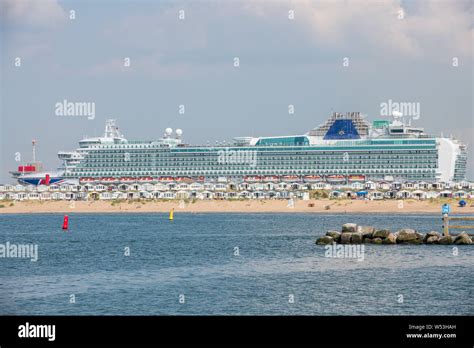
283,141
342,126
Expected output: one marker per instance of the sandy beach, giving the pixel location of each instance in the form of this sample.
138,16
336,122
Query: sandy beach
253,206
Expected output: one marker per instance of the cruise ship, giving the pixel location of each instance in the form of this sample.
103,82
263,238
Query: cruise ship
346,148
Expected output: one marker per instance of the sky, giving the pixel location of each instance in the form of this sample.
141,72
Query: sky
319,56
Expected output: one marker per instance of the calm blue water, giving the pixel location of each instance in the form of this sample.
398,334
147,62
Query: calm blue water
194,256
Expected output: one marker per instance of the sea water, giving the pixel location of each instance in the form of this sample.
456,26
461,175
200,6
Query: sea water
226,264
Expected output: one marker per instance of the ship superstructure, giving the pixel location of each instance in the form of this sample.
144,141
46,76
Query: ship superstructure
345,148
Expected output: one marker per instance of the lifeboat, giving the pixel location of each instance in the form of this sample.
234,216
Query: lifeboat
145,179
107,180
354,178
272,178
127,179
291,178
166,179
184,179
253,178
312,178
335,178
86,180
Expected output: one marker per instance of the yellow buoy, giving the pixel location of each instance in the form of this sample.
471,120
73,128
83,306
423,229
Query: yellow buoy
171,214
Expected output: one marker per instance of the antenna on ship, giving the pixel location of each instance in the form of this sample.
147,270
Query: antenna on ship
168,132
33,143
111,129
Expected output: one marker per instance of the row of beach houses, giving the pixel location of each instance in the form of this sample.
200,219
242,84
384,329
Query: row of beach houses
244,190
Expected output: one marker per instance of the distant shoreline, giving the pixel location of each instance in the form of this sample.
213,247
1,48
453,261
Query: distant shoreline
326,206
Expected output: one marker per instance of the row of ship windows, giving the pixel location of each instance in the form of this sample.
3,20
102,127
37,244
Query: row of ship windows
259,153
254,172
280,157
154,147
194,150
244,166
309,161
229,159
262,160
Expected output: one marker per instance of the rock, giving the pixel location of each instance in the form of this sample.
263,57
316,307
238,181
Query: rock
367,231
405,235
324,240
407,230
377,241
349,227
356,238
367,235
390,239
367,240
381,234
445,240
462,238
346,238
432,240
435,234
335,235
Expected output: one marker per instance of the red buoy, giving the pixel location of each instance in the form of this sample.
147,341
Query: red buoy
65,222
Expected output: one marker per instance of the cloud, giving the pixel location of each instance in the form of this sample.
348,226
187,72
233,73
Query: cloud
30,27
32,13
213,34
375,27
